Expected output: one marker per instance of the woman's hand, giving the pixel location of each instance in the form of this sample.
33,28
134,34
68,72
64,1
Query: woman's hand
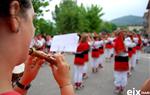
32,66
145,87
61,71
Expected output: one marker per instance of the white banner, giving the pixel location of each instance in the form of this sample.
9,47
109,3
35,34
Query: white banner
65,43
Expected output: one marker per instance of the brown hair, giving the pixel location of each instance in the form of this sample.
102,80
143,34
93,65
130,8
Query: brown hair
84,37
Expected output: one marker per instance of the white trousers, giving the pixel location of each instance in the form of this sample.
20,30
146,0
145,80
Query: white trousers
94,62
133,60
109,52
130,62
85,67
101,59
105,51
138,54
120,78
78,72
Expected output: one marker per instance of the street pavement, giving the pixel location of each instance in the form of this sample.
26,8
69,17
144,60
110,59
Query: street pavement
100,83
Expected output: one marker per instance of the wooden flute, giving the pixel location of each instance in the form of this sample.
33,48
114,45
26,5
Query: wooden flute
42,55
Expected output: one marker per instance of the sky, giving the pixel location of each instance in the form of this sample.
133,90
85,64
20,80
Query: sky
111,8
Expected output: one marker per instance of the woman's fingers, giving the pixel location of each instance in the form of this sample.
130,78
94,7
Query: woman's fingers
59,59
38,64
29,61
54,68
34,62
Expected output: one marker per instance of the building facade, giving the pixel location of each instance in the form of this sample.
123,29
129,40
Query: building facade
147,20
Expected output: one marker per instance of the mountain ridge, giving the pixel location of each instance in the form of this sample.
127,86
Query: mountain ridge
128,20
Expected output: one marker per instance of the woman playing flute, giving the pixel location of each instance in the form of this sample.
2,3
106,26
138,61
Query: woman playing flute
16,32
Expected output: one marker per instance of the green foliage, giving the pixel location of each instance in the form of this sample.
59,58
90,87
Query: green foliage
38,5
135,30
83,23
70,17
93,16
44,27
66,17
108,27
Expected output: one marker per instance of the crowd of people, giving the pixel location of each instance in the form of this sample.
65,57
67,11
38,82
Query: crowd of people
122,48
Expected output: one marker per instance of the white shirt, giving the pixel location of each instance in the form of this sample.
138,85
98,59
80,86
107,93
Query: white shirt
97,44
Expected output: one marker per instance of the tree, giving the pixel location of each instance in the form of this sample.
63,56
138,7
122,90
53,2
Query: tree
83,23
108,27
135,30
69,17
44,27
39,6
89,18
65,17
93,16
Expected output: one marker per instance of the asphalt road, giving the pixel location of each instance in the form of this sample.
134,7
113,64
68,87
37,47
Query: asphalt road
100,83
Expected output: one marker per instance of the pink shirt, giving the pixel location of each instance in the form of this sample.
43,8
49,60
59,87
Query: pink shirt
10,93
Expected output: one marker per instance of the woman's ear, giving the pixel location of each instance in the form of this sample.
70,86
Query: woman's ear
14,21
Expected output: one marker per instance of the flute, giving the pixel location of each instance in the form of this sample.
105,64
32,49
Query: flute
42,55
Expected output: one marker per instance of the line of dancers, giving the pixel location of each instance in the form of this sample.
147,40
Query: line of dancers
121,48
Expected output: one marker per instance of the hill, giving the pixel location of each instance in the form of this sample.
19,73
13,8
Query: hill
128,20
